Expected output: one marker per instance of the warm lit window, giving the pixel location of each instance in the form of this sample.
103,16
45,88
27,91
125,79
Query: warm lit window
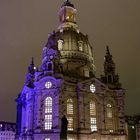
93,123
70,114
92,108
93,120
80,44
71,139
69,106
80,48
92,88
70,123
109,110
111,131
48,113
60,44
86,71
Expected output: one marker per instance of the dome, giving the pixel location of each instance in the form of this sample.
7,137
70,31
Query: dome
76,53
74,49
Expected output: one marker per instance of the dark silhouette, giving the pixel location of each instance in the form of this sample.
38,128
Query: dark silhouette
64,126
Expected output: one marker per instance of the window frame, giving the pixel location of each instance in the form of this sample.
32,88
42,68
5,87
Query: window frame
48,113
93,116
109,111
70,114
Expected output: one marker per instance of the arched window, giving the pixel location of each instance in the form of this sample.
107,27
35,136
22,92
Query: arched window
80,45
109,110
70,114
48,113
86,72
60,44
93,119
110,126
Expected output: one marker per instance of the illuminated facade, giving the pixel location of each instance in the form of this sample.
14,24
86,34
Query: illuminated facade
66,85
7,131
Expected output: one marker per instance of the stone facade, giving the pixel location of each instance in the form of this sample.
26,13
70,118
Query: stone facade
7,130
66,85
133,127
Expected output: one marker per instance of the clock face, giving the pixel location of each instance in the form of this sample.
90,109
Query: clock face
48,84
92,88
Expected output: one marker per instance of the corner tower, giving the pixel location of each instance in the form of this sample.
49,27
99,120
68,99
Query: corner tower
110,77
63,100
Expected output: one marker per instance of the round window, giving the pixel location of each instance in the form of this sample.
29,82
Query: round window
48,84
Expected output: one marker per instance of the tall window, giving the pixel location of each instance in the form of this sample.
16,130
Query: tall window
80,45
48,113
109,110
70,114
92,108
70,107
93,120
109,118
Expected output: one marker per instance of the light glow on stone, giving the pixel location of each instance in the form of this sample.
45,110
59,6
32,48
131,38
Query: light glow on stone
71,139
47,139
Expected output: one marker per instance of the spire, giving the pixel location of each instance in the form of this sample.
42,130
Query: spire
110,75
30,75
107,50
31,68
109,65
108,56
32,62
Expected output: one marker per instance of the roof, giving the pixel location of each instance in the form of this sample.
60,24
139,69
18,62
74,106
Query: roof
68,3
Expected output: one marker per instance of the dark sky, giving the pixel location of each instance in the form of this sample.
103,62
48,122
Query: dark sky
24,28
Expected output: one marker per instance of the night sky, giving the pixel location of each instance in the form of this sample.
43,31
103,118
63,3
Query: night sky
24,28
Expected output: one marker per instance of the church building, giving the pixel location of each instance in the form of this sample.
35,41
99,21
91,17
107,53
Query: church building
63,99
